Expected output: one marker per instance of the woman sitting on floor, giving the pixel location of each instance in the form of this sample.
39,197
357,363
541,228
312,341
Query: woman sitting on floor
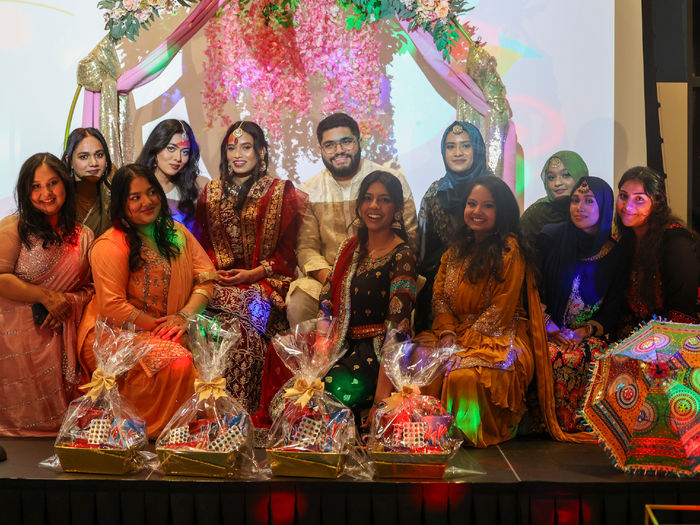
486,304
247,222
152,272
44,285
87,158
583,275
371,291
665,254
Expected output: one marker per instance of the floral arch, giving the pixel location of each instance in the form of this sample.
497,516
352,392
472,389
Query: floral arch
268,52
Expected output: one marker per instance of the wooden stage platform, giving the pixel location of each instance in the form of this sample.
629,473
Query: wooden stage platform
524,481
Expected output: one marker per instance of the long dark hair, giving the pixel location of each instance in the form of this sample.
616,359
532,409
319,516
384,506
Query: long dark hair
259,145
164,232
186,179
647,254
76,137
395,191
487,256
33,222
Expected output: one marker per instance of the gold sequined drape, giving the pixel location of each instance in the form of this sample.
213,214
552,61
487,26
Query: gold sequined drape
481,67
99,72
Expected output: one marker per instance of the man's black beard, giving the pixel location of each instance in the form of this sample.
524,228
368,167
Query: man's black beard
344,173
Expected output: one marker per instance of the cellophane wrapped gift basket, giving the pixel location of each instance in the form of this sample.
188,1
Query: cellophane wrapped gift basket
314,435
410,433
102,432
211,434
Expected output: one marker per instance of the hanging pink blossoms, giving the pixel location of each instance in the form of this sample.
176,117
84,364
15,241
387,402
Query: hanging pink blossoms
285,71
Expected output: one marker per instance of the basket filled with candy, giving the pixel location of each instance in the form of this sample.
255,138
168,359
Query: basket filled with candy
314,435
410,433
102,432
211,433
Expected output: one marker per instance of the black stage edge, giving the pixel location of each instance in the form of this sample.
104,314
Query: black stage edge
525,481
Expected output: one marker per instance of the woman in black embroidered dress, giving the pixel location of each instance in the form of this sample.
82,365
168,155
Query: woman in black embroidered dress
372,290
665,253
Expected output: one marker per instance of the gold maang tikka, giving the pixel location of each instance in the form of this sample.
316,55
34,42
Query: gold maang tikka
457,129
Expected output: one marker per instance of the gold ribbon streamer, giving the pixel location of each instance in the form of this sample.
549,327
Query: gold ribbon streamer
99,72
304,390
99,382
216,387
396,398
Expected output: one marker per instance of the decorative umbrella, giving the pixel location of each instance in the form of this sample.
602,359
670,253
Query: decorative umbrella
643,399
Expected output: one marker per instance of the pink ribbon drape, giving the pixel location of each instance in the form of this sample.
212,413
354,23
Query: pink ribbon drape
152,65
466,88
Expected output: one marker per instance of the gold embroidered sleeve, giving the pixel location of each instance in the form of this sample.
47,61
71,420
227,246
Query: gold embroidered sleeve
205,276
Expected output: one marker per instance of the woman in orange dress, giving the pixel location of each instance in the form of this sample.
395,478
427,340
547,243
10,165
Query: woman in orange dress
44,285
149,271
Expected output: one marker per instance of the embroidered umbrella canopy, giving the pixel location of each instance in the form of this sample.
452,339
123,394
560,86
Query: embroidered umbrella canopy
643,400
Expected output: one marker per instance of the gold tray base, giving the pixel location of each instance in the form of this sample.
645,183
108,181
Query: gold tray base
95,460
205,463
404,465
305,464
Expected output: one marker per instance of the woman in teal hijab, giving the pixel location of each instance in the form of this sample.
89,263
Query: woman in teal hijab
559,175
442,209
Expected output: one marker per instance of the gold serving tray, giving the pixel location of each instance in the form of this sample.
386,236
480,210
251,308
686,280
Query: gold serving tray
305,464
95,460
405,465
207,463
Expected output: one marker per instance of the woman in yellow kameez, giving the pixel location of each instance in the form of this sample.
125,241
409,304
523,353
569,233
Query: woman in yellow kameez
485,303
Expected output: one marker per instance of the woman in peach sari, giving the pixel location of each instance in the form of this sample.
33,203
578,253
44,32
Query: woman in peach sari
149,271
44,285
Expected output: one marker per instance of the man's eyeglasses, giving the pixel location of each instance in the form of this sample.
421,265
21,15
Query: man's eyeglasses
346,143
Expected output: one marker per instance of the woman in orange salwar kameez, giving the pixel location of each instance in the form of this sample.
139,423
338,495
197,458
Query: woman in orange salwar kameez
152,272
43,263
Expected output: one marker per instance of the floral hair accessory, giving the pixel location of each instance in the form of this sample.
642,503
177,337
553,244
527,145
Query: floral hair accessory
555,162
457,129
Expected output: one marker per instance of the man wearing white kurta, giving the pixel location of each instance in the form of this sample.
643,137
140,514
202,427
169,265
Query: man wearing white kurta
330,214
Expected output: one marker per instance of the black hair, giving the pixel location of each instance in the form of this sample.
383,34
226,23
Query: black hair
33,222
259,144
186,179
395,191
164,232
337,120
487,256
76,137
646,256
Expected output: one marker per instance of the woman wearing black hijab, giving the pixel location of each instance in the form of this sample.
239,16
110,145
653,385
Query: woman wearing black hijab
583,275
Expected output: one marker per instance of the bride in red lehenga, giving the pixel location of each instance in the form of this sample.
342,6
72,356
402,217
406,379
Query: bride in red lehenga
247,221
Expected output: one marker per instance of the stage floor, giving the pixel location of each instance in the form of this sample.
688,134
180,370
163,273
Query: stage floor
519,460
522,482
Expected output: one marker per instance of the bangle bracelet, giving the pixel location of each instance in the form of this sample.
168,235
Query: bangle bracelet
183,315
447,332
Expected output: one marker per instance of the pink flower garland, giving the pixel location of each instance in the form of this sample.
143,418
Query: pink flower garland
283,69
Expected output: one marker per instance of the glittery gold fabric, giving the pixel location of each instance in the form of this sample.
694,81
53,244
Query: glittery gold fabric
481,67
99,72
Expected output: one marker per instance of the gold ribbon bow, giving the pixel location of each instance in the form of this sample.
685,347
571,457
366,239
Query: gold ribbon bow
396,398
304,390
216,387
99,382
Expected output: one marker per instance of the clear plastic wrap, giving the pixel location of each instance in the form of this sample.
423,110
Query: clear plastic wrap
101,431
211,434
315,434
410,434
